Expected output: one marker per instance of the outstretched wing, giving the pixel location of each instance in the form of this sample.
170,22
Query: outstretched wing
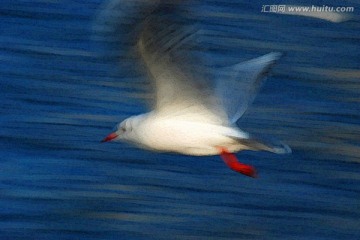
180,82
240,83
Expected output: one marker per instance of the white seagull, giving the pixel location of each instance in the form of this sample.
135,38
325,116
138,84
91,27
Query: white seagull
191,118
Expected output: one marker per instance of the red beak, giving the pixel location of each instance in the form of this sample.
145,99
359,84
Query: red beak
109,137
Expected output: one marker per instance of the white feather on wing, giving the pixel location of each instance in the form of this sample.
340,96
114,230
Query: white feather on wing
239,84
180,84
180,87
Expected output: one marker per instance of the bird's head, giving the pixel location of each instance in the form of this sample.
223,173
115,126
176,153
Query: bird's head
125,130
122,131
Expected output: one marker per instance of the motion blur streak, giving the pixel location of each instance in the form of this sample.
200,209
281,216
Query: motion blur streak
66,76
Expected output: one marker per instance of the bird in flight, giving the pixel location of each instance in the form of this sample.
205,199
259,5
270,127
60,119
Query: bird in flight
191,116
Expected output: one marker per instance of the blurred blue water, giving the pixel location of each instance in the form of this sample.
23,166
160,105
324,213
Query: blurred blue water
61,92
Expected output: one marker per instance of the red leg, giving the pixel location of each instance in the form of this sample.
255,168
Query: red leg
232,162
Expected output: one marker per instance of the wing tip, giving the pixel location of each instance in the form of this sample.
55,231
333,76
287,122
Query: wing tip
269,145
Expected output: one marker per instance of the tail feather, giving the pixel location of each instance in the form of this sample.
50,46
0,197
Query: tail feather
260,145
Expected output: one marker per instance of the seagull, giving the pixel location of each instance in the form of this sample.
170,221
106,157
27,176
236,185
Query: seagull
190,116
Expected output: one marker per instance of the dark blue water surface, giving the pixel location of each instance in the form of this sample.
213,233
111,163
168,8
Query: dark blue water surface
63,88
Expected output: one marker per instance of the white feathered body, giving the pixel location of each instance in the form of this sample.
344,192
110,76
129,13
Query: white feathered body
176,134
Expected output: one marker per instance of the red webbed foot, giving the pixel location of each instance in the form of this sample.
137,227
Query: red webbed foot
232,162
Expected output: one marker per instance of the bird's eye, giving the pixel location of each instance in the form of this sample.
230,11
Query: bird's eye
123,129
